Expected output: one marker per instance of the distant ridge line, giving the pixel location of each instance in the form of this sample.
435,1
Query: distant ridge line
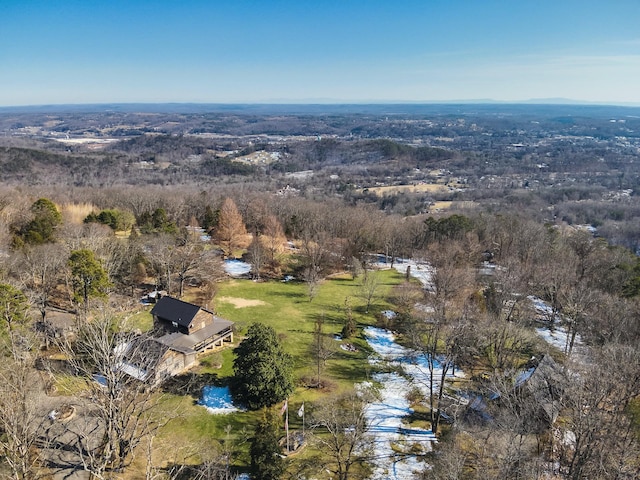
386,108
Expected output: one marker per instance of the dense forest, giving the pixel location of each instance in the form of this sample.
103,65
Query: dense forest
496,244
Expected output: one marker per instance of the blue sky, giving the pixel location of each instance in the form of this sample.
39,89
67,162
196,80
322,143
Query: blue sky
90,51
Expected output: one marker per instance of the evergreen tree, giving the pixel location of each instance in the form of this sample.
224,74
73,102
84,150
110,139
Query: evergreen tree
13,307
263,372
89,277
210,218
46,218
266,460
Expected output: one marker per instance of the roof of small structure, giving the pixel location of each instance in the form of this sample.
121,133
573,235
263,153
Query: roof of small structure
174,310
140,356
546,383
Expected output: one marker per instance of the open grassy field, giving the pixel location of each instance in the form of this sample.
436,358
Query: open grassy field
422,188
285,307
419,188
448,205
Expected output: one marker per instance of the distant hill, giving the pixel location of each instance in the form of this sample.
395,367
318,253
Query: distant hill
544,107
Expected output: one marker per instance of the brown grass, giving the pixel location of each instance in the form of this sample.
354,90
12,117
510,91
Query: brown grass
439,206
75,213
241,302
426,187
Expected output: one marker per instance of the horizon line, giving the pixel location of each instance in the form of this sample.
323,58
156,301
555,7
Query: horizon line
336,102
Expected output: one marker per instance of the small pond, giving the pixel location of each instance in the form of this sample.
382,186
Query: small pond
217,400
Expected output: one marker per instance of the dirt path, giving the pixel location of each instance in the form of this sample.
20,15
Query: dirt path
241,302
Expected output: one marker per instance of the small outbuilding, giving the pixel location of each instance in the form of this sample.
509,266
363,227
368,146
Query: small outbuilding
545,384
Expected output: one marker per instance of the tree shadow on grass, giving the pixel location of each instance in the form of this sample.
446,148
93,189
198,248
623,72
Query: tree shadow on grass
348,370
343,281
330,319
191,383
289,294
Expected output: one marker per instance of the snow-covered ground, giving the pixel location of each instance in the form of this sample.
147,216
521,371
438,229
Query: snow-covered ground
386,416
237,268
420,270
554,333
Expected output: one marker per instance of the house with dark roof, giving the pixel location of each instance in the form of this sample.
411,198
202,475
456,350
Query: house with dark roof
182,330
200,327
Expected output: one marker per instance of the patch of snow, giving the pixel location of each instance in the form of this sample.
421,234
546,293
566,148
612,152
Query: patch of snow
555,334
383,343
217,400
420,270
487,269
421,307
394,439
199,231
414,364
543,309
569,439
237,268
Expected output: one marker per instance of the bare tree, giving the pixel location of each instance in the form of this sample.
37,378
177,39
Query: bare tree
439,342
451,461
369,288
576,300
21,421
405,296
321,348
40,269
315,252
341,431
394,234
257,256
14,315
598,438
551,275
361,230
451,278
439,332
118,366
504,343
273,241
193,262
162,252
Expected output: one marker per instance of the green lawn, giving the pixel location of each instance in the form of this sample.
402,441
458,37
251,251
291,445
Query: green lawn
285,307
141,320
